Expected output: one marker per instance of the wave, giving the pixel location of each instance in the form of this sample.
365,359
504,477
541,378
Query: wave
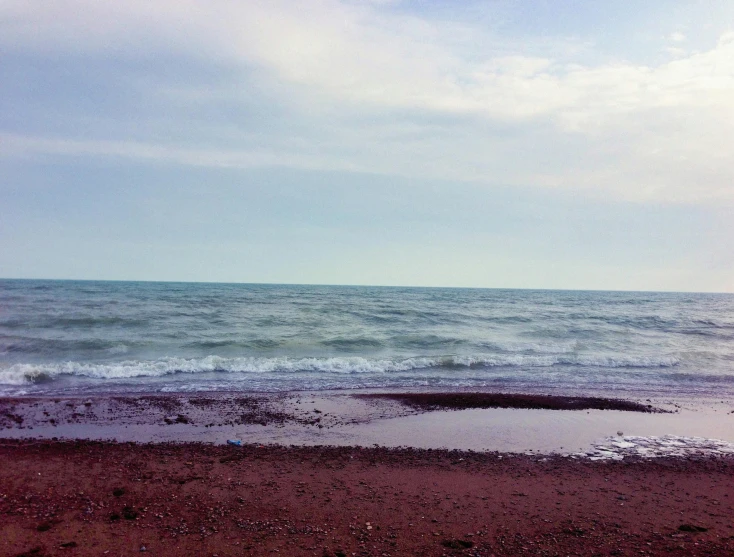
352,343
30,345
258,343
21,374
77,322
537,347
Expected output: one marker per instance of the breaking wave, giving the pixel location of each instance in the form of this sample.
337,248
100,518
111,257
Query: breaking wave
22,374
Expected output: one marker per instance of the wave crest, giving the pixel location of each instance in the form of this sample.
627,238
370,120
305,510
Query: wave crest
21,374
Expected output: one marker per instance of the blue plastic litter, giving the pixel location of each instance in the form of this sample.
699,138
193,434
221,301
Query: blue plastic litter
235,442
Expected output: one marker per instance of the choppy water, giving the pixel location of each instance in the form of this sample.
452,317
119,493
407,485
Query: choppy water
61,336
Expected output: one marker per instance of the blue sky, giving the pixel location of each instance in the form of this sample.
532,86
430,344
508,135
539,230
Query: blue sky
534,144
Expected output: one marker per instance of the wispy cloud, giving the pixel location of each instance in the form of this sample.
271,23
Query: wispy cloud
382,90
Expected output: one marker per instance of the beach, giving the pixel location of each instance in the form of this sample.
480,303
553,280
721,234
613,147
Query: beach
103,498
159,476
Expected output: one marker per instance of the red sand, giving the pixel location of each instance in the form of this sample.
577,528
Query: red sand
91,498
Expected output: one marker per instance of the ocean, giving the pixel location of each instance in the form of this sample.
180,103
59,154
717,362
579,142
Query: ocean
87,337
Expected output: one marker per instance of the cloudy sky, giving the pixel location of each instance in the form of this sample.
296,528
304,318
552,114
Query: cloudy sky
506,143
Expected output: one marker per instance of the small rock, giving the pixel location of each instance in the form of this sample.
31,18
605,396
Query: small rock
457,544
691,528
129,513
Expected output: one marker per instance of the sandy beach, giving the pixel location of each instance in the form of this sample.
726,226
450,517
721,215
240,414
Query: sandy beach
95,498
333,474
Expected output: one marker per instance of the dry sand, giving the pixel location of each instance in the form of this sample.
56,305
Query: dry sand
94,498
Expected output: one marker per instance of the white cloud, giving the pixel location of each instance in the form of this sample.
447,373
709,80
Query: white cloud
676,52
15,145
653,132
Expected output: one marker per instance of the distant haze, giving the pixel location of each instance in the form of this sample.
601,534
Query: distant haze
568,144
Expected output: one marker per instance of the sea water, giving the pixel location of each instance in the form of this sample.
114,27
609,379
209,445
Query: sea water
100,337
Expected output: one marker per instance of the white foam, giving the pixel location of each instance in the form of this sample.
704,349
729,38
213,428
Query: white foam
617,448
622,361
21,374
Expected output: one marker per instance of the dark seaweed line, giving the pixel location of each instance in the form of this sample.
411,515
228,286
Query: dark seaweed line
464,401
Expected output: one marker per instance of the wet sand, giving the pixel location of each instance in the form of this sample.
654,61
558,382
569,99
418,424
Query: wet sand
476,421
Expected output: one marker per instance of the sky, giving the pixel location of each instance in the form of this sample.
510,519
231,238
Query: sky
576,144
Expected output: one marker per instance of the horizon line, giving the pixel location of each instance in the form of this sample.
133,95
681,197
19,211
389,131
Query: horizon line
153,281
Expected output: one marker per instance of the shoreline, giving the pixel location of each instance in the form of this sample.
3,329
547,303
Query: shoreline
479,421
360,475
